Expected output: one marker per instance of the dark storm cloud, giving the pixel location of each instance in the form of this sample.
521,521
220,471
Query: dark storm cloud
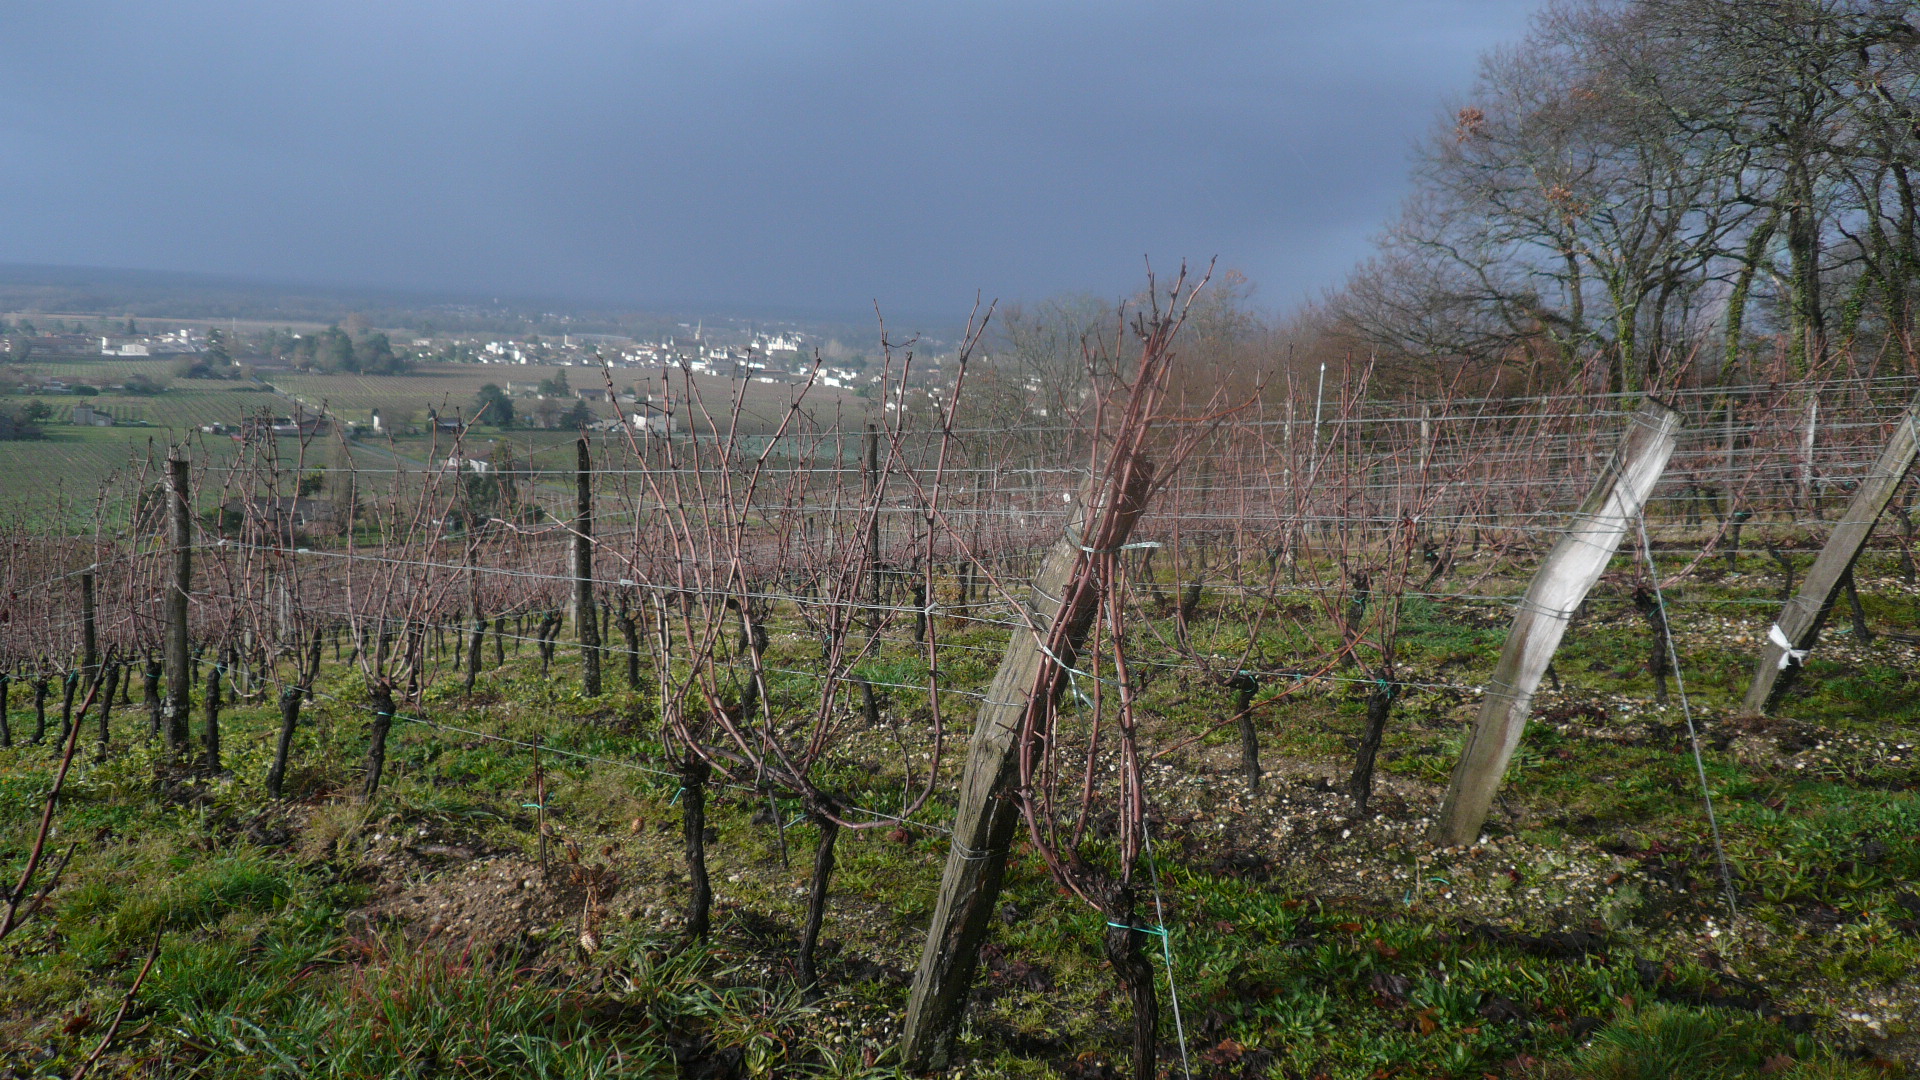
722,154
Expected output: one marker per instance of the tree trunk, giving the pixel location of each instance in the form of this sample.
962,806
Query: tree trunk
473,649
6,726
39,709
109,683
1123,944
549,636
382,696
694,772
817,897
1357,601
500,642
1244,686
1190,600
1862,633
1785,562
1379,710
67,686
630,633
150,691
312,668
1659,664
1739,520
1737,300
290,699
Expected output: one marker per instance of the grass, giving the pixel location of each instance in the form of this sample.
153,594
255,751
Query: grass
286,948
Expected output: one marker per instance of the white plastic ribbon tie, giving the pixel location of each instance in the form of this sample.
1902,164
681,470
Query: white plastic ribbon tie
1788,654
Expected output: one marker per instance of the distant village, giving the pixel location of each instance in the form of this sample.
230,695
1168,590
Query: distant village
210,351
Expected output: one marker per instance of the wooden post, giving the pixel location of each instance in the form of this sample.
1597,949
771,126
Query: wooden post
89,638
1561,583
988,812
874,589
540,805
1798,627
586,622
178,660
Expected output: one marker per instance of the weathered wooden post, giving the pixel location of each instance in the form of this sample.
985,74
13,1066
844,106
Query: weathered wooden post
875,587
586,622
89,636
1561,583
988,813
1798,627
178,659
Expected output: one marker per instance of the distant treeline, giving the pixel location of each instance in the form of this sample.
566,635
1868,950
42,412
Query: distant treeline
162,295
1643,186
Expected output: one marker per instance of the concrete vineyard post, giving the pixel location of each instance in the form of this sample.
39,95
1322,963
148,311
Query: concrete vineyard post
988,813
1798,627
1561,583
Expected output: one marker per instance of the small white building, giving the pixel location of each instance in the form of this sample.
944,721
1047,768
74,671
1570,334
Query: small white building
110,347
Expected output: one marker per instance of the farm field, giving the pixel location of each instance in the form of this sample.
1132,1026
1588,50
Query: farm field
95,371
82,461
451,387
74,462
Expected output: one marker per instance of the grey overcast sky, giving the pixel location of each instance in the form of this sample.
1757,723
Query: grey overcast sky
732,154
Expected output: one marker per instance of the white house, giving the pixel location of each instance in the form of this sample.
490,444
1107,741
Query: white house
108,347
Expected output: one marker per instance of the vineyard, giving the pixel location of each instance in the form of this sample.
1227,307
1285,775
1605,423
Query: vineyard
1330,730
